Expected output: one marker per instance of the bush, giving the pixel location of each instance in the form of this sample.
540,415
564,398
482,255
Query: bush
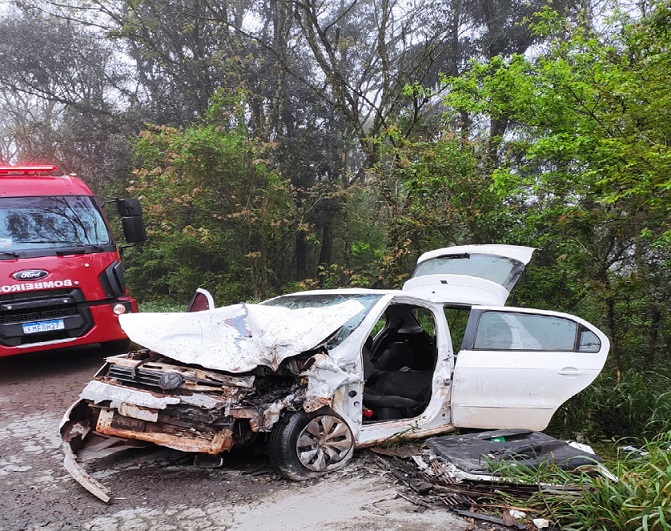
639,500
631,404
162,306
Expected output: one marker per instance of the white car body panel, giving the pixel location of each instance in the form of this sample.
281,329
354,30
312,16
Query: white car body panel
504,388
237,338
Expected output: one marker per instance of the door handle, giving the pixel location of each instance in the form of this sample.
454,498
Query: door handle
569,371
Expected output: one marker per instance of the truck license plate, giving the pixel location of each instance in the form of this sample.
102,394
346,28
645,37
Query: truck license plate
43,326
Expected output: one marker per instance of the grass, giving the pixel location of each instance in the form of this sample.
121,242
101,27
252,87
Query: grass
161,306
631,405
640,500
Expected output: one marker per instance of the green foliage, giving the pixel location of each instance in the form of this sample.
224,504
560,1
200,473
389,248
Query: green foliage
366,229
639,500
633,405
215,214
161,306
436,193
584,166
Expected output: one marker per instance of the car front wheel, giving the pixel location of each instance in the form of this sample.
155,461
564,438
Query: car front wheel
304,445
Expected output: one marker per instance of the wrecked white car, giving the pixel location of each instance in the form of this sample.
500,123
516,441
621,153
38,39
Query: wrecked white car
316,374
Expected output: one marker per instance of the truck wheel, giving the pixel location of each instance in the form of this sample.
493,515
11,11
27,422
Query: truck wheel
304,445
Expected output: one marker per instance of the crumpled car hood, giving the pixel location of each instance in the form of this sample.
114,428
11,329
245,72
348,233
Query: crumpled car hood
240,337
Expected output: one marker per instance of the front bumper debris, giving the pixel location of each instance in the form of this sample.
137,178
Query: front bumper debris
82,477
138,400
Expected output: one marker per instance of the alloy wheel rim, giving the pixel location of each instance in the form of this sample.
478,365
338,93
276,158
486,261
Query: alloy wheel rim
324,443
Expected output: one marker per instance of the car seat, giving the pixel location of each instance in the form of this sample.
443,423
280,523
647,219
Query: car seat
394,357
399,394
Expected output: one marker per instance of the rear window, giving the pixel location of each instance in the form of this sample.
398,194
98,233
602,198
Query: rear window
499,269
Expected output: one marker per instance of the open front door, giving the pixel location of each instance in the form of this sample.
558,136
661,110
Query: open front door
517,366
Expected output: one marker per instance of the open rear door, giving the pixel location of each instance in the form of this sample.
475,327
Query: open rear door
517,366
469,274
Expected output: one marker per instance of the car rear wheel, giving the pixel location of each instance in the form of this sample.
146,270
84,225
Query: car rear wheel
305,445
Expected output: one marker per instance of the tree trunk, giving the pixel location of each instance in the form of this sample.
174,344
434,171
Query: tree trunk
301,255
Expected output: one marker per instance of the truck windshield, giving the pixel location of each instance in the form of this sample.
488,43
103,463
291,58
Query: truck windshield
37,223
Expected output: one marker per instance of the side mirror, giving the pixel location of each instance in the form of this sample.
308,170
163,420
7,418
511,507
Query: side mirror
133,229
129,207
132,221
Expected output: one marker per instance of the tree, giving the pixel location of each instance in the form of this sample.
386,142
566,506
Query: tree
588,163
217,215
61,99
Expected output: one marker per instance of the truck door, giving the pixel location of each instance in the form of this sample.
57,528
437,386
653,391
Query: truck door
517,366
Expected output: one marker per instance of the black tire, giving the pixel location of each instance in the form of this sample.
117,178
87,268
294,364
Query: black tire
120,346
304,446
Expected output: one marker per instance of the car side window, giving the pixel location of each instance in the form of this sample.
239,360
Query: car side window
494,332
524,331
589,342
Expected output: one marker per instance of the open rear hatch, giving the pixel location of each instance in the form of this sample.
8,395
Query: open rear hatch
469,274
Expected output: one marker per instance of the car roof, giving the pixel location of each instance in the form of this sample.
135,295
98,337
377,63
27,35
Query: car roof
346,291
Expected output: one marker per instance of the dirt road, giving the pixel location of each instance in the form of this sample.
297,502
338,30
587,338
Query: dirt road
159,489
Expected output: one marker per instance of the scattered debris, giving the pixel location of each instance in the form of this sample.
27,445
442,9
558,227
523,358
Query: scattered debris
459,472
208,461
404,451
633,452
490,519
478,453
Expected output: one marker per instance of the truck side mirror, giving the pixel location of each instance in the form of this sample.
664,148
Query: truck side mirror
132,222
129,207
134,229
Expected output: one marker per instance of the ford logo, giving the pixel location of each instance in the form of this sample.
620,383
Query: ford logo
30,274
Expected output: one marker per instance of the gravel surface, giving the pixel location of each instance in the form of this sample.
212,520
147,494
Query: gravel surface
160,489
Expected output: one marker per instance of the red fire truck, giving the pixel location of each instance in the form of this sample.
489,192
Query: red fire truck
61,279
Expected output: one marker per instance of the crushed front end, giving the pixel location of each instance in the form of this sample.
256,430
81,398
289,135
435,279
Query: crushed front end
142,398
